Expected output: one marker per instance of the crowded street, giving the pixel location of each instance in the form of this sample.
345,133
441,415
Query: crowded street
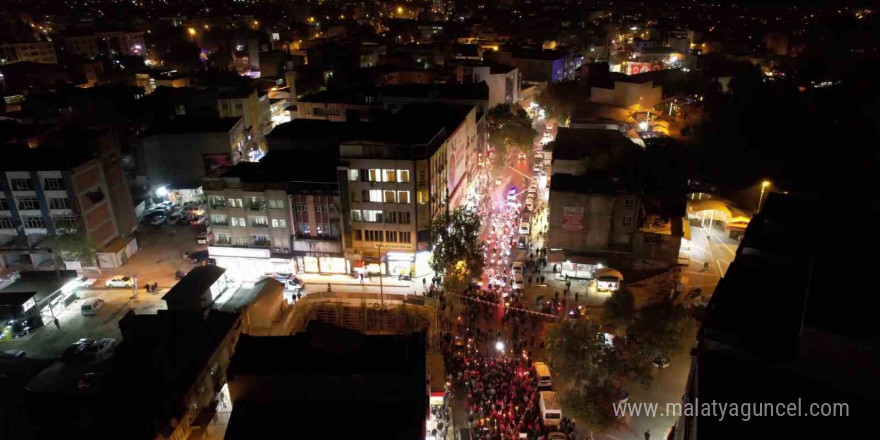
492,334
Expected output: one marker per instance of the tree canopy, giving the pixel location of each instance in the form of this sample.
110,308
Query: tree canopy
509,126
457,250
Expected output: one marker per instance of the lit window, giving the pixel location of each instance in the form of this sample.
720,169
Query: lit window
403,197
390,197
390,176
403,176
353,175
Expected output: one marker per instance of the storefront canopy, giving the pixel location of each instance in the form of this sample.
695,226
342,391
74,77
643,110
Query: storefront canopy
562,257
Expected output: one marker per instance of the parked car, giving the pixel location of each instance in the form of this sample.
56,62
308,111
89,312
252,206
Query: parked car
521,243
174,219
522,156
533,189
518,281
537,168
524,228
197,257
530,204
158,220
85,281
198,220
120,281
85,350
91,306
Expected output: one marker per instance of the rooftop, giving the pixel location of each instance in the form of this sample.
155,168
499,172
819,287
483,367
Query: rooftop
195,283
578,143
188,124
365,377
236,93
61,149
35,284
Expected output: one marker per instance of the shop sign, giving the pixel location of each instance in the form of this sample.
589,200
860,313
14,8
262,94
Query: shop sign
221,251
573,218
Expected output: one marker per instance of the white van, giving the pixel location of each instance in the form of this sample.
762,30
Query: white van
544,379
91,306
551,412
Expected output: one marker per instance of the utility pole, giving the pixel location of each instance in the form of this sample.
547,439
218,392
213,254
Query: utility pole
381,290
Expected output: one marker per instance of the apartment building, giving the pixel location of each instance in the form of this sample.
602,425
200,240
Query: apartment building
34,51
503,81
394,182
270,217
254,109
150,80
72,182
110,43
177,153
541,65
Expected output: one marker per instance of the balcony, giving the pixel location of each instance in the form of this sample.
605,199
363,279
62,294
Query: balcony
220,242
219,223
261,243
257,206
218,205
258,225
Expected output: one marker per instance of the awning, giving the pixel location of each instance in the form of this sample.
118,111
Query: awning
608,272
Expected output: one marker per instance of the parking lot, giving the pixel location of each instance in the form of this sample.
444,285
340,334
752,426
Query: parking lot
161,254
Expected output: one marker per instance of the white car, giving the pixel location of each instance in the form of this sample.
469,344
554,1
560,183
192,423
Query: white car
537,168
522,156
530,204
533,189
518,281
158,220
511,195
524,228
120,281
85,281
517,267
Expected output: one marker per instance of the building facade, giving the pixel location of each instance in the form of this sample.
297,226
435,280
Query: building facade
269,217
176,154
503,81
76,191
112,44
35,51
254,109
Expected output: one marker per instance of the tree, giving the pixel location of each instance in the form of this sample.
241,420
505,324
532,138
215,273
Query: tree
593,404
574,349
660,328
509,126
618,309
457,252
74,246
559,99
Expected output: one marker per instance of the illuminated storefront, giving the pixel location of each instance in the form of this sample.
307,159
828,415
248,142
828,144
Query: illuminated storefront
320,262
249,264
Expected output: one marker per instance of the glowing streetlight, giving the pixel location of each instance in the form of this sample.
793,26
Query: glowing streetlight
399,10
192,33
764,186
499,346
161,191
643,126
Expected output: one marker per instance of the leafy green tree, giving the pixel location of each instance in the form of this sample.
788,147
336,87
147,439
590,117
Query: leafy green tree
509,126
457,251
618,309
593,404
660,328
559,99
74,246
574,350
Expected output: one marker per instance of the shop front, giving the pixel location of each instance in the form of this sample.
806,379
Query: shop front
574,266
320,262
249,264
400,263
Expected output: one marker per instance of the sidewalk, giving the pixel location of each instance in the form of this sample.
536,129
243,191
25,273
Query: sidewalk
347,283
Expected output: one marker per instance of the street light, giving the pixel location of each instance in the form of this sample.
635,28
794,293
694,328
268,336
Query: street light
192,33
499,346
764,186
